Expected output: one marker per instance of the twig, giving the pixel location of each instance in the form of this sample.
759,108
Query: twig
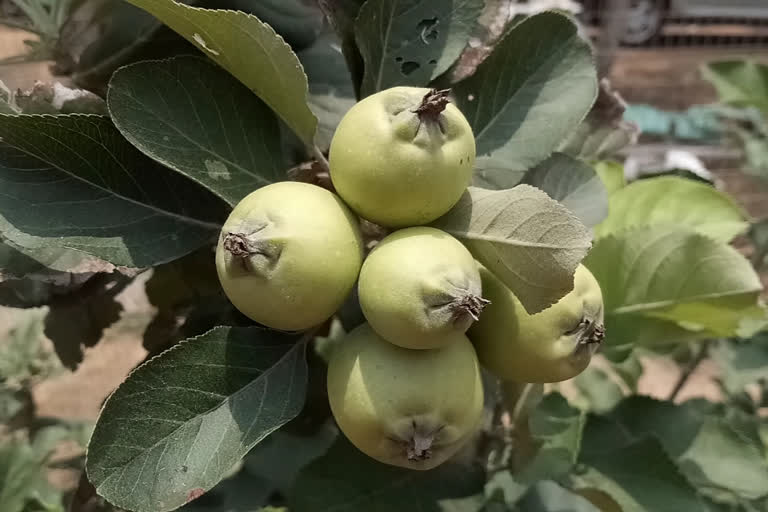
689,369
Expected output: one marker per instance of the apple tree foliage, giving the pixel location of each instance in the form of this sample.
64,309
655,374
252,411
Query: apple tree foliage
94,192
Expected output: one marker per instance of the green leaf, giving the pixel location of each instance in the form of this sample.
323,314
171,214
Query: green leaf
742,363
114,203
341,15
547,496
281,456
637,474
573,183
598,389
531,242
23,479
345,479
530,93
722,463
331,92
743,83
22,356
603,132
251,51
242,492
190,115
670,200
612,175
299,22
557,428
410,42
674,275
182,420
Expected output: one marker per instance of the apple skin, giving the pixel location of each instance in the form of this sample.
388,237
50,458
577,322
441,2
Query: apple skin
398,168
551,346
419,287
408,408
299,252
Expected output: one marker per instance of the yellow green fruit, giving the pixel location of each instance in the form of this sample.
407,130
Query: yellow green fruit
402,157
409,408
289,254
551,346
419,287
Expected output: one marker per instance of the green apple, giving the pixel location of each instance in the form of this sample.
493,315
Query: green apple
409,408
419,287
403,156
289,254
551,346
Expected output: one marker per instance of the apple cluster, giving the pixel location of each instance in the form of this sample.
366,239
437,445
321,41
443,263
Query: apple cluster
405,387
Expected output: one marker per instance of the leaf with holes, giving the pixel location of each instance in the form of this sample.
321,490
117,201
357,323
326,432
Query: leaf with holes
671,274
345,479
573,183
189,114
182,420
410,42
251,51
531,242
530,93
72,181
674,201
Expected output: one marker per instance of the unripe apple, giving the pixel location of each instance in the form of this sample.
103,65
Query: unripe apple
289,254
419,287
551,346
409,408
403,156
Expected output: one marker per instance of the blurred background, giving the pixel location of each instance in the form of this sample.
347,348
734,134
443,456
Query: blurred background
654,53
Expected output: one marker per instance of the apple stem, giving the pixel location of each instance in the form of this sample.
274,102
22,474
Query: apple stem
433,103
469,304
420,446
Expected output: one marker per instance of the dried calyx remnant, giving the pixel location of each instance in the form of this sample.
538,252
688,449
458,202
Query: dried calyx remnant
419,446
592,332
433,103
470,305
255,251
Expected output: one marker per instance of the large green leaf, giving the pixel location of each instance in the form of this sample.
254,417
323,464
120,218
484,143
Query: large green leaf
742,362
556,427
331,92
530,93
410,42
604,132
251,51
715,457
636,474
739,82
531,242
73,181
189,114
573,183
675,275
345,479
182,420
341,15
673,201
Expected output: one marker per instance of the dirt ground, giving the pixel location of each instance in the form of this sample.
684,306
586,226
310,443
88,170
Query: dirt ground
665,78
